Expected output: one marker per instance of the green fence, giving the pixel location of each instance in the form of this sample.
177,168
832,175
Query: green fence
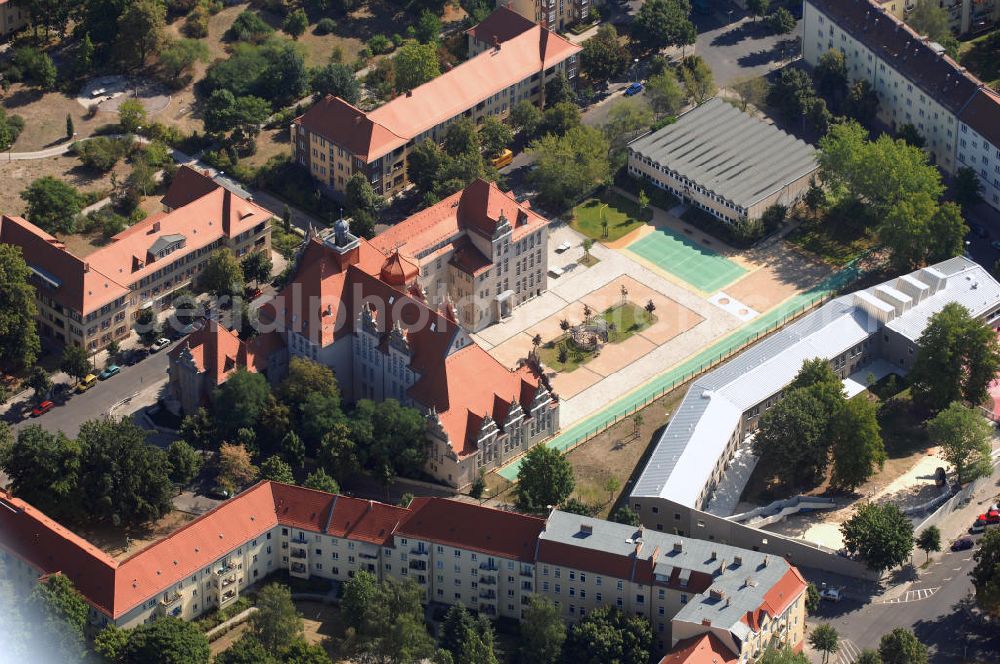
693,366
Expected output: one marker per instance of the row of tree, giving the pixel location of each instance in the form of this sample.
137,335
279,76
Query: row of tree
900,646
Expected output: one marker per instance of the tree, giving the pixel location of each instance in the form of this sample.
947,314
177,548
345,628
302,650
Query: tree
545,478
918,230
360,196
965,437
428,27
751,91
256,266
568,166
320,481
662,23
390,437
276,623
900,646
19,342
812,599
478,487
929,540
604,56
147,326
359,593
758,8
40,382
179,56
10,128
665,94
338,454
857,444
131,115
967,187
929,18
819,116
781,21
52,204
868,656
909,133
561,117
494,136
36,66
881,536
249,26
791,436
461,137
526,117
62,609
184,460
84,58
336,79
122,479
165,641
76,362
542,632
626,515
626,118
784,655
698,79
825,639
559,90
70,129
986,573
862,101
609,635
110,643
391,624
415,64
831,77
588,244
140,31
296,23
247,650
815,196
222,274
275,469
468,639
792,94
43,469
957,357
238,402
235,467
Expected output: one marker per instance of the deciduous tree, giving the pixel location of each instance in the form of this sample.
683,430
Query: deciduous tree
76,362
604,56
336,79
964,436
184,460
296,23
140,31
751,91
662,23
825,639
179,56
698,79
857,444
239,401
545,478
19,342
222,274
495,136
235,467
568,166
881,536
609,635
320,481
52,204
62,609
542,633
44,469
256,266
167,640
415,64
929,540
276,623
526,117
929,18
791,436
900,646
967,186
986,573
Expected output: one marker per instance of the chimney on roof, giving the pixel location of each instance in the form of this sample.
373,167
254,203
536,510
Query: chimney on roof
678,547
765,560
86,268
371,505
496,42
706,622
713,556
586,529
409,93
737,561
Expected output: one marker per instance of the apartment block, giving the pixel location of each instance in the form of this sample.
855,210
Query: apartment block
368,316
724,162
13,17
334,140
488,560
552,14
917,83
94,299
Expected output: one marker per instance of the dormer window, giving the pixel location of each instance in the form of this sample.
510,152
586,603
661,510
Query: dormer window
166,244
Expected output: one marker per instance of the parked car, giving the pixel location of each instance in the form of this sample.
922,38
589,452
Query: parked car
962,544
991,518
831,594
977,527
88,382
218,493
159,345
109,371
137,355
505,158
42,408
633,89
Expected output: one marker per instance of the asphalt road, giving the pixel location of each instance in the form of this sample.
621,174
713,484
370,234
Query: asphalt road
743,48
98,400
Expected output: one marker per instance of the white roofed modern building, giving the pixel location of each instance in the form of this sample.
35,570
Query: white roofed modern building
725,162
723,407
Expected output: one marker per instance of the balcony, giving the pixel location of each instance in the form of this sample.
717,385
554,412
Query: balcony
170,599
488,609
419,565
298,570
368,556
488,580
228,597
299,554
488,594
489,567
419,551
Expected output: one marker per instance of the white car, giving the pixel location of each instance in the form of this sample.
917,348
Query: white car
831,594
159,344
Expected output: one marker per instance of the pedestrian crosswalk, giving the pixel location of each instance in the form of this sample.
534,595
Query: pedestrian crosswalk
848,652
913,595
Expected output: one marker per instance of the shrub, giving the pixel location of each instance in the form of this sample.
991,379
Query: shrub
196,24
35,66
11,127
249,26
380,44
325,26
101,153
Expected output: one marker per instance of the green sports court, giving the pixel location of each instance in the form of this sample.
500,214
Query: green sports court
701,267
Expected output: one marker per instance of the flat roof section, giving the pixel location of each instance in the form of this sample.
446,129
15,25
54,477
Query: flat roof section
729,153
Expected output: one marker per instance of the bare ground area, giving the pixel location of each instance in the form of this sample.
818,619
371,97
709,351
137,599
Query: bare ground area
17,175
228,639
44,116
113,540
270,143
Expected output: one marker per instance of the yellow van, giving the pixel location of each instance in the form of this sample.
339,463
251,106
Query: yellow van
505,158
86,383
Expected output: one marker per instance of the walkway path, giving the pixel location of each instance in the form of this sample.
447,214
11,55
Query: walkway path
54,151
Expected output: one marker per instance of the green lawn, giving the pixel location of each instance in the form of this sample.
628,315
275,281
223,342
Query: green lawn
982,57
628,319
576,357
623,217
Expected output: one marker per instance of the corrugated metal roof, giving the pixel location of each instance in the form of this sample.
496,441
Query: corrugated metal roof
688,451
728,152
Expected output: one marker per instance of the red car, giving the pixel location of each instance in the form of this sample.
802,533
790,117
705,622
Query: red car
42,408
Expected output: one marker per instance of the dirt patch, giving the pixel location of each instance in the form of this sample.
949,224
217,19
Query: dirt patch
17,175
785,272
225,641
323,625
113,540
45,117
270,143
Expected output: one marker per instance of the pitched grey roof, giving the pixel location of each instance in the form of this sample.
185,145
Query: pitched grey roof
691,446
728,152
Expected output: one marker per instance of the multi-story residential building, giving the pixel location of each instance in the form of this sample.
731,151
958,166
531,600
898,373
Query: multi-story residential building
478,248
725,162
366,315
13,17
676,490
92,300
488,560
552,14
917,83
334,140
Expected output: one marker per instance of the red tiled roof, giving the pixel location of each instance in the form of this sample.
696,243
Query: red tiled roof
500,26
398,271
704,649
339,122
188,186
484,529
582,558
